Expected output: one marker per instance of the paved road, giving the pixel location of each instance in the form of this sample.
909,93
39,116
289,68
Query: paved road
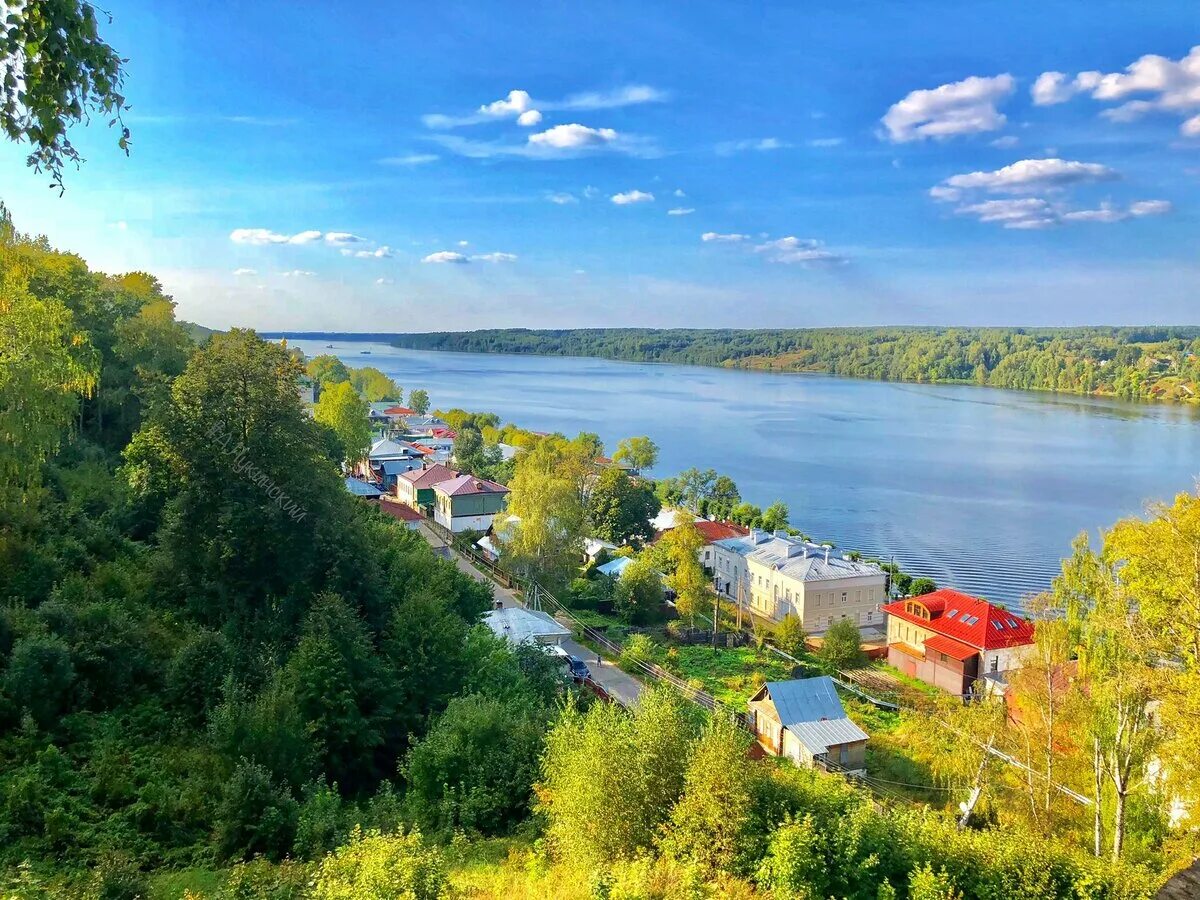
622,687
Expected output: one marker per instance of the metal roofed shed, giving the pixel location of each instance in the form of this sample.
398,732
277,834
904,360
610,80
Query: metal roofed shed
519,626
804,720
360,488
614,567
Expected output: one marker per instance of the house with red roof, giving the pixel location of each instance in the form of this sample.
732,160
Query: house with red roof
415,487
950,639
467,503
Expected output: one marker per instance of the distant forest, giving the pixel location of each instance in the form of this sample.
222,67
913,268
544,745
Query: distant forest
1133,363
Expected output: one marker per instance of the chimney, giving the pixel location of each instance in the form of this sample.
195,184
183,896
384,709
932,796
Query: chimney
754,535
826,554
806,551
796,548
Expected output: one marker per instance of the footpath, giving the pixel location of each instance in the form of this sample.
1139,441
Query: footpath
619,685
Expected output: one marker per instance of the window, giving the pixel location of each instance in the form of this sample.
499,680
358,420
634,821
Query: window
995,664
869,615
952,613
831,620
843,596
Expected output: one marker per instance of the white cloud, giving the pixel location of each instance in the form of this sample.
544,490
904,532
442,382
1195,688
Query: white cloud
798,251
1031,213
412,159
573,137
1024,213
591,192
384,281
514,104
562,198
495,257
526,110
1029,176
680,211
445,256
1007,142
1172,86
629,197
826,142
243,272
261,236
1150,208
769,143
305,237
712,237
679,192
339,238
963,107
298,273
383,252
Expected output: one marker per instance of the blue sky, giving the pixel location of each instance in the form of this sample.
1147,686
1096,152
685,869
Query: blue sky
369,166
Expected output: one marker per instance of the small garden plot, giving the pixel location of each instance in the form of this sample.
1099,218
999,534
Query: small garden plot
730,674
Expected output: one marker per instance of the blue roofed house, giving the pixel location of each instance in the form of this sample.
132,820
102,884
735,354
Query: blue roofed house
364,489
614,567
387,460
804,720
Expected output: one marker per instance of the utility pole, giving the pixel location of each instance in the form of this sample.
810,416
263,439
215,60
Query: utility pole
969,806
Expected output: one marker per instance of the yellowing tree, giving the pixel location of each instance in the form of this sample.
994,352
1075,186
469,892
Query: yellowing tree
548,540
345,412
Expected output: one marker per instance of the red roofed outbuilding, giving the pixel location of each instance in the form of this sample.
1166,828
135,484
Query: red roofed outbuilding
950,639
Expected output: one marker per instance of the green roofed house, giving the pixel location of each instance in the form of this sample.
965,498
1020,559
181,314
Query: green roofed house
467,503
415,487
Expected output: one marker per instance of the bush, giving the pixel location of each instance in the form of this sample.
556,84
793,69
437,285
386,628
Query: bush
39,677
321,822
260,880
375,866
639,649
842,647
476,767
254,816
788,635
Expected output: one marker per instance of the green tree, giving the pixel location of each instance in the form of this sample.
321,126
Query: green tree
712,823
418,401
545,496
639,453
610,777
841,647
476,767
66,72
39,677
920,586
682,545
775,517
789,635
255,816
327,369
374,385
343,411
639,593
620,508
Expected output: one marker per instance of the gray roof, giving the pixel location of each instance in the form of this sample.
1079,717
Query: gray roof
360,488
810,709
615,567
520,625
809,562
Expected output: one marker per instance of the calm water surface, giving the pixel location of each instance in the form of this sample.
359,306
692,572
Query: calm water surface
980,489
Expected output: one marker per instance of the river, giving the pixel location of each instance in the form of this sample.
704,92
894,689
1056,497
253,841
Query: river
978,488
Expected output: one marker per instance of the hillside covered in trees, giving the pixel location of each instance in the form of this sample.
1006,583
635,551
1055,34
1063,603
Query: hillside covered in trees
221,676
1150,363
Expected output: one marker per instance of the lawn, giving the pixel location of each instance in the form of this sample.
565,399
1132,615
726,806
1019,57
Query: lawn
731,674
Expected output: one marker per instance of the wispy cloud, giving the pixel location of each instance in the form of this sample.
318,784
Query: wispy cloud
1026,176
244,272
681,211
339,238
712,237
519,105
298,273
412,159
799,251
560,142
727,148
453,257
963,107
562,198
383,252
263,236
